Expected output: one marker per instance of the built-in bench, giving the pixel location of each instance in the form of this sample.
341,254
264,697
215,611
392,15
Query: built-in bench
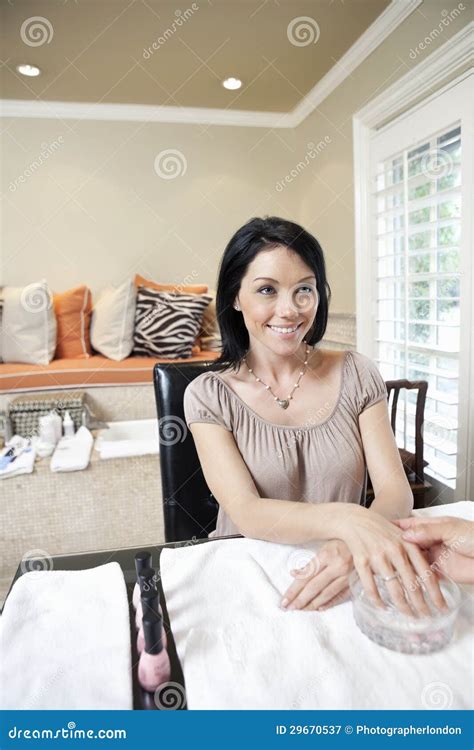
115,390
85,373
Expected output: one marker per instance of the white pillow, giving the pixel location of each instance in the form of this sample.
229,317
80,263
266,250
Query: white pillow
28,324
113,318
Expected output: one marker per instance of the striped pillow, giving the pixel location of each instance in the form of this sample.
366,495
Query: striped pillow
166,324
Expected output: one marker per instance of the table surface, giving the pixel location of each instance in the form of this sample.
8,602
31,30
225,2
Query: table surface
125,558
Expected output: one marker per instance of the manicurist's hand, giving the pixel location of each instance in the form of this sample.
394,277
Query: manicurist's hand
448,541
323,582
378,548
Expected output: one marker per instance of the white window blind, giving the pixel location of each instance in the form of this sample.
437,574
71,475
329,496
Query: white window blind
417,212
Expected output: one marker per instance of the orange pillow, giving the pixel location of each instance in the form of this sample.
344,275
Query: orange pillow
73,310
177,288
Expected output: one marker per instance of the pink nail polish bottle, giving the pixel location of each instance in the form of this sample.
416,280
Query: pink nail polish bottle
142,561
150,605
148,588
154,665
141,640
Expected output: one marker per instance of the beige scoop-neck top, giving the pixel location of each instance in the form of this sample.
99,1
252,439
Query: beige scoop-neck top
322,462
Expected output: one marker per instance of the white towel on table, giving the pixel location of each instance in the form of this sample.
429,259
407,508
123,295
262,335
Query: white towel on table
239,650
126,448
462,509
65,641
73,453
23,464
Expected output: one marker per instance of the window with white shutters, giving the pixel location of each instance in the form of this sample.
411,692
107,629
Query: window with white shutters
417,213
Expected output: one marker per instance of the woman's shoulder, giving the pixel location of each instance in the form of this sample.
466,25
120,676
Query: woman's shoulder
365,380
361,362
209,386
203,382
205,400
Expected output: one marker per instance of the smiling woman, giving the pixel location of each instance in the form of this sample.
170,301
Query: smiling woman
272,277
285,430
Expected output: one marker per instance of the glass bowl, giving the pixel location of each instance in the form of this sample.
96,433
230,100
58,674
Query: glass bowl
399,632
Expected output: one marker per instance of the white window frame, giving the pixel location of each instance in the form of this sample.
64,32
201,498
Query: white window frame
411,92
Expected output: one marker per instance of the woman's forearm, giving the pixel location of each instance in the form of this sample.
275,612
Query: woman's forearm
393,503
289,522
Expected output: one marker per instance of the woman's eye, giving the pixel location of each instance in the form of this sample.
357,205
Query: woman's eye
301,289
308,288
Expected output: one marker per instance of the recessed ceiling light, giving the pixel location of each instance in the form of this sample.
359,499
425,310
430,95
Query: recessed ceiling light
28,70
232,83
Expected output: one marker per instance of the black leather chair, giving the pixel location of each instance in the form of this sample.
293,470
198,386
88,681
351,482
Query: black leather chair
189,507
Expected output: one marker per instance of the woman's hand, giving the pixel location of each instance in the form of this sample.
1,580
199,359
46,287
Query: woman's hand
323,582
378,548
449,542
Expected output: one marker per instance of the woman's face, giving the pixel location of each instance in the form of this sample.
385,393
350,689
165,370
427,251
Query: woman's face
278,299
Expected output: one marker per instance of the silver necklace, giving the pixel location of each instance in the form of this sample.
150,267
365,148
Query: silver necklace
283,402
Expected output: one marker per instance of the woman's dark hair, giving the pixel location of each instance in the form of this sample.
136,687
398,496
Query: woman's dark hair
247,242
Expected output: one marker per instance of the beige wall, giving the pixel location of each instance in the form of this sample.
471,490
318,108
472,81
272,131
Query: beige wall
95,211
326,205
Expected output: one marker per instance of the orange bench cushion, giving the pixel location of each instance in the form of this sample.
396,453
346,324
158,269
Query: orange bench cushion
84,373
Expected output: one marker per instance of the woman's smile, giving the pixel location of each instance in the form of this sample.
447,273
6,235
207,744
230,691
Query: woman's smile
285,332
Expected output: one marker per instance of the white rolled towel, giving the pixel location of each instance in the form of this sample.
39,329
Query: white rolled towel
73,453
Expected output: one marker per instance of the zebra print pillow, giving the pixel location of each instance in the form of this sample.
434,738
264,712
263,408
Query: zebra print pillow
166,324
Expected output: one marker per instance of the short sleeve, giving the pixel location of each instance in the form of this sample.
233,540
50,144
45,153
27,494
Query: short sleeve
369,385
205,400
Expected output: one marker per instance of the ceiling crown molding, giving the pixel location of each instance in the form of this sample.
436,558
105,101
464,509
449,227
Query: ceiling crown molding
428,75
141,113
378,31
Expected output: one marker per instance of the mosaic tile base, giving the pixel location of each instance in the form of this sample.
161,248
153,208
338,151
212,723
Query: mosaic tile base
112,504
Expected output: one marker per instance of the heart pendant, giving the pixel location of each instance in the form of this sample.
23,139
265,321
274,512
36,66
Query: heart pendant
284,403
